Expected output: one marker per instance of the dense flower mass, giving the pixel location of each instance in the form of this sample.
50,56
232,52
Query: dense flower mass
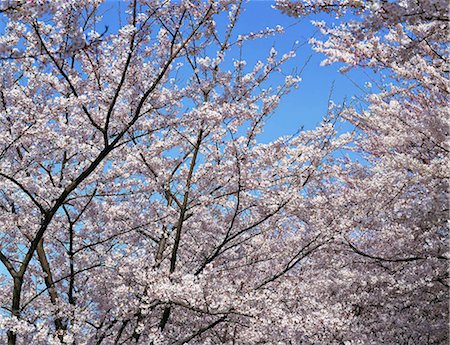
396,204
138,207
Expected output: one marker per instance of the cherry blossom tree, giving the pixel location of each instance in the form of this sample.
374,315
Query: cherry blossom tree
136,204
392,267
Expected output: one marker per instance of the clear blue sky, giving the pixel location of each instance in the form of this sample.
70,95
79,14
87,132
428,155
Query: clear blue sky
306,105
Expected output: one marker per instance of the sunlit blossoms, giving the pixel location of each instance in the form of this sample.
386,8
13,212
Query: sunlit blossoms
392,208
138,207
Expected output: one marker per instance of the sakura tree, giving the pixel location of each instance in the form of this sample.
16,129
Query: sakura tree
136,204
392,267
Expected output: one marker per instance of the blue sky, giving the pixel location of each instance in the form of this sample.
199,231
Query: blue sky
305,106
308,104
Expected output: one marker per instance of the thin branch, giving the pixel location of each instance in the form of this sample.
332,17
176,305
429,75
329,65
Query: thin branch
200,331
